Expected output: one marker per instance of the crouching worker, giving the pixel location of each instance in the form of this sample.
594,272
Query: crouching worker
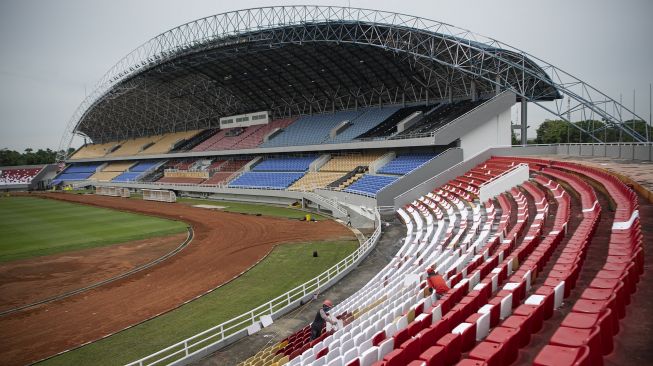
321,318
437,283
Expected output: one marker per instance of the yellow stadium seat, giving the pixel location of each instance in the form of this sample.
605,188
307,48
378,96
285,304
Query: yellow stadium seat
411,316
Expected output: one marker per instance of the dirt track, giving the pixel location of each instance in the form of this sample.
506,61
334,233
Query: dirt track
28,281
225,245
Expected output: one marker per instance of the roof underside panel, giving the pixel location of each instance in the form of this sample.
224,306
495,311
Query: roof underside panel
289,71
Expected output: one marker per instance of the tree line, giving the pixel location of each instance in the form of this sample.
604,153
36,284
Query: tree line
559,131
28,157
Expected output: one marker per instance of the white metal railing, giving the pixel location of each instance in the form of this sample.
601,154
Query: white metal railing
325,200
231,329
592,143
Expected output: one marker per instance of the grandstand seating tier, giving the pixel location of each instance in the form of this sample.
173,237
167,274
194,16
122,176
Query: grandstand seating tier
133,146
348,162
441,115
404,164
266,180
164,143
370,184
18,175
111,171
285,164
127,177
143,166
94,150
370,118
310,130
490,264
219,178
313,180
241,138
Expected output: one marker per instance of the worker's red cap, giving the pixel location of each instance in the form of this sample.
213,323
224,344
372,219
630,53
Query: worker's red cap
328,303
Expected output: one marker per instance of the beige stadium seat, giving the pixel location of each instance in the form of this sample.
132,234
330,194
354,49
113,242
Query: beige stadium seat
111,171
164,143
350,181
132,146
94,150
349,162
313,180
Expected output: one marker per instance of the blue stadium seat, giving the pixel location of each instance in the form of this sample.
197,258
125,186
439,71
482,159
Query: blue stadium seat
370,118
369,184
266,180
310,130
82,168
127,177
285,164
404,164
76,172
143,166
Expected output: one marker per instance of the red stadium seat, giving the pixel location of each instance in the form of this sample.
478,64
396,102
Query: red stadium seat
508,338
452,344
434,356
562,356
488,352
574,337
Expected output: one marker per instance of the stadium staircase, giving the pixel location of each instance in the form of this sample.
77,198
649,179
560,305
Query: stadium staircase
510,262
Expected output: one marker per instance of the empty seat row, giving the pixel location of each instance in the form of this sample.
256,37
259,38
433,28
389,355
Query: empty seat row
370,184
418,243
18,175
76,172
404,164
265,180
490,254
285,164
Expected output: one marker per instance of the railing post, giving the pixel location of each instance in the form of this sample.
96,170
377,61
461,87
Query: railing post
219,330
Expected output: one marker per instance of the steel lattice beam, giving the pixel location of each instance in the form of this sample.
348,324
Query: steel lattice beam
320,58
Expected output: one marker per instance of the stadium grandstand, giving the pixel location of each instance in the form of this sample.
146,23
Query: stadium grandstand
375,117
28,177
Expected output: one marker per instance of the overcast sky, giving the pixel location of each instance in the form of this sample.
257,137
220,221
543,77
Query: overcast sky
53,52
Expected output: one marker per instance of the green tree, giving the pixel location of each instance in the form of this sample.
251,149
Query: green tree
28,157
552,132
558,131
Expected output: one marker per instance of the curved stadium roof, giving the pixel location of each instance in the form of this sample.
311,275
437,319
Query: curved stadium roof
296,60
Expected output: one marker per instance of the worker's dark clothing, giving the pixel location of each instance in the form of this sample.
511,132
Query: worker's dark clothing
319,322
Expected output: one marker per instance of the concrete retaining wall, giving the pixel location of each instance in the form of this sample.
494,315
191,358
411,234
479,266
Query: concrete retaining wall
627,151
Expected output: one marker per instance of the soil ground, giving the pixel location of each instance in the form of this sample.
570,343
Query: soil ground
31,280
224,245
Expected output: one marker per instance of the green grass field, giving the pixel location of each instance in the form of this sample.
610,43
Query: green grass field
31,227
252,208
285,268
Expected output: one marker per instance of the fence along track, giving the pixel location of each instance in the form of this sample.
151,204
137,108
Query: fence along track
228,332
